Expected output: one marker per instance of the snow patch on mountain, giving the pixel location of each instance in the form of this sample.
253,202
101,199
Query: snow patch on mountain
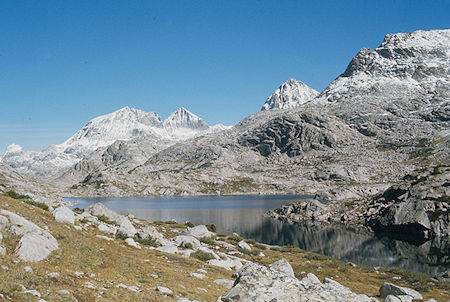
123,124
290,94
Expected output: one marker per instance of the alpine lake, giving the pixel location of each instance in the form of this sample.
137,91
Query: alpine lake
244,215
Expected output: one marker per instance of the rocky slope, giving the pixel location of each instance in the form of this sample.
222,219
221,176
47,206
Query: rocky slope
99,133
98,254
290,94
358,137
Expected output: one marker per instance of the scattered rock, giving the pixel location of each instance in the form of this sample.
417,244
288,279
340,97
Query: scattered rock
197,275
32,292
182,240
104,237
226,263
64,214
243,245
106,228
198,232
127,228
131,242
224,282
164,290
444,276
28,269
394,290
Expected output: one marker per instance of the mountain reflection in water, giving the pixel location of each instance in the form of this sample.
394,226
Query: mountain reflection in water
245,215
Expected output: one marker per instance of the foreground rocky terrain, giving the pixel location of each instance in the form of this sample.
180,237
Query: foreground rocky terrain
97,254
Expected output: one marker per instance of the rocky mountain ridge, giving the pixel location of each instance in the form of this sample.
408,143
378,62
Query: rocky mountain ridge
123,124
358,137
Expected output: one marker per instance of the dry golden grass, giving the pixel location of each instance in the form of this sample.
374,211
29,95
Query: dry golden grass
105,264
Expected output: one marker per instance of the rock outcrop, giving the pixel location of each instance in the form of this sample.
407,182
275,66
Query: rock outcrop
254,282
35,243
417,207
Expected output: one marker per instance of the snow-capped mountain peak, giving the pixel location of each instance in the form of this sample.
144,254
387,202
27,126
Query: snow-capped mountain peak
404,66
290,94
183,118
124,124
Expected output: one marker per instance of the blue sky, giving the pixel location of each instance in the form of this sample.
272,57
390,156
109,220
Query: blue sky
63,63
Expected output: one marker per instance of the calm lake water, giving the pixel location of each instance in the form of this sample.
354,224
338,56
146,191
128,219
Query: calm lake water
245,215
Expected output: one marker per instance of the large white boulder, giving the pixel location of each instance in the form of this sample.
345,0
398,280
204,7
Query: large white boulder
35,243
391,289
127,228
198,232
255,282
283,267
64,214
151,231
182,240
244,245
99,209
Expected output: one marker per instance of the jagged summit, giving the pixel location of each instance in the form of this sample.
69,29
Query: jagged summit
123,124
290,94
412,66
183,118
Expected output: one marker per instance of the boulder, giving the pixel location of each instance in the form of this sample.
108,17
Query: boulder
444,276
283,267
35,243
164,290
171,249
99,209
106,228
254,282
394,290
131,242
181,240
226,263
224,282
126,228
64,214
243,245
198,232
151,231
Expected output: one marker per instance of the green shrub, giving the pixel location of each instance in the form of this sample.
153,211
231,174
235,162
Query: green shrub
121,236
247,252
290,249
208,240
189,224
150,241
78,210
15,195
188,245
211,227
235,238
105,219
36,204
260,246
202,256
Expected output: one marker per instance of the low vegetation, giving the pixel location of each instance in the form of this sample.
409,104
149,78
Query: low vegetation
91,268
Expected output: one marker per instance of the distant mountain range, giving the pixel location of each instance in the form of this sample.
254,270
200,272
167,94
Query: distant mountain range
387,114
123,124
